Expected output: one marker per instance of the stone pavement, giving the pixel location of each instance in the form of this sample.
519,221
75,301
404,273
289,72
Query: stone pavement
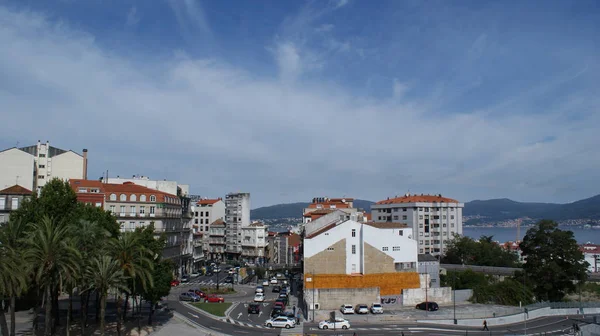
180,327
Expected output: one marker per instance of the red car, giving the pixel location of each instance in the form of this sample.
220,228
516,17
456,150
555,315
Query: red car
175,283
198,292
279,305
214,298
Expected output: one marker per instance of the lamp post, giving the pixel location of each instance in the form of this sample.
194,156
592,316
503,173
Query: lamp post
219,271
313,294
454,294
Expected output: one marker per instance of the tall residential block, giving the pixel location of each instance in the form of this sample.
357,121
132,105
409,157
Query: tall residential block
237,216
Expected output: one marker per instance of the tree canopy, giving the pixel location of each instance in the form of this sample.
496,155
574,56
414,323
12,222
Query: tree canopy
553,261
484,252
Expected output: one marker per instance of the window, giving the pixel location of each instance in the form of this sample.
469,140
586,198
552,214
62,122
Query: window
98,204
427,242
133,198
444,217
420,242
152,198
426,209
41,177
421,251
330,249
451,216
113,197
403,209
42,166
353,249
123,198
385,248
112,209
395,217
122,209
353,232
420,209
152,209
420,216
132,210
142,209
451,225
405,217
196,214
15,203
400,232
42,155
396,248
132,225
2,203
421,234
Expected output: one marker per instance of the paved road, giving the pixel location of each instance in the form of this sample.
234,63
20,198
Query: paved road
554,325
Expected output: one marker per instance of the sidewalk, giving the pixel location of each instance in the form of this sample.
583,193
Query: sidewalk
182,327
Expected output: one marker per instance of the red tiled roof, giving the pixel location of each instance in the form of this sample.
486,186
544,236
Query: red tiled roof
125,188
321,230
294,239
418,198
208,201
367,216
327,205
387,225
218,222
15,190
589,248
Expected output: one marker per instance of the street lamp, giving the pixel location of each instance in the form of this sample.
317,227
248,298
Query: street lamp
313,295
219,271
454,294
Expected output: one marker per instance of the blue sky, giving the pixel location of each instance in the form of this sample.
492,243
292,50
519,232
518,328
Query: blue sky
291,100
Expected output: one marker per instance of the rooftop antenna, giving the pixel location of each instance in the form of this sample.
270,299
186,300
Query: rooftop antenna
17,179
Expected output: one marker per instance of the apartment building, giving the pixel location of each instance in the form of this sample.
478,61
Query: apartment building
350,262
591,254
137,206
433,218
217,240
169,187
204,212
254,242
325,204
32,166
11,199
237,216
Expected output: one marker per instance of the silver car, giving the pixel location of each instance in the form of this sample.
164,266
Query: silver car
189,296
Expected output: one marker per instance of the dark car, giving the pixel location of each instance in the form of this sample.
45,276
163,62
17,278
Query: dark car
198,292
228,280
254,308
283,296
282,300
430,306
276,289
276,312
185,278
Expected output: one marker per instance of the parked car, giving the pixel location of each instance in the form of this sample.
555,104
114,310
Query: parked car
189,296
273,281
361,308
376,308
338,323
290,314
276,289
276,311
259,289
283,301
283,296
185,278
228,280
280,322
175,283
347,309
253,308
430,306
265,282
259,297
214,298
198,292
279,304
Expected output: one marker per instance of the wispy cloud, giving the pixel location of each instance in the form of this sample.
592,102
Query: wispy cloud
133,17
192,20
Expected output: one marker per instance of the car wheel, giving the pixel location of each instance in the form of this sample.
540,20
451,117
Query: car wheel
269,325
287,326
325,327
344,327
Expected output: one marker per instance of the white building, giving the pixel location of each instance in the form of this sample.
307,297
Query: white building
170,187
237,216
32,166
325,204
254,241
205,211
433,218
591,253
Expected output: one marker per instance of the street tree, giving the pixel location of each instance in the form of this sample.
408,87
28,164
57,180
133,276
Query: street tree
553,261
484,252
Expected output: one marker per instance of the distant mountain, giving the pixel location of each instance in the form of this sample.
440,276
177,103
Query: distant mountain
294,210
504,209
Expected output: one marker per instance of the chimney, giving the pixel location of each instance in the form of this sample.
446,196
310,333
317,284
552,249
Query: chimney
85,164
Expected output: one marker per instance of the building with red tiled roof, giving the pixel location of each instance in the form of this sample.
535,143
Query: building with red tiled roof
206,211
591,253
324,205
11,199
137,206
433,218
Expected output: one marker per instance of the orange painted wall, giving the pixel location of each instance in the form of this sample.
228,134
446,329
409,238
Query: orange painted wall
388,283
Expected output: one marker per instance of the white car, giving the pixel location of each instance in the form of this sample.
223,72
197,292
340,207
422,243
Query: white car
347,309
339,323
376,308
265,282
259,289
280,322
274,281
195,275
362,309
259,297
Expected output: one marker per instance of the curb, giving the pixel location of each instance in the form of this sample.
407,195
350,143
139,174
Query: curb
197,325
232,307
207,314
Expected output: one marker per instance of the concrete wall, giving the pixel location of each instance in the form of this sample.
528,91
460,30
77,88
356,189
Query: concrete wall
333,298
330,260
388,283
463,295
16,165
65,166
411,297
376,261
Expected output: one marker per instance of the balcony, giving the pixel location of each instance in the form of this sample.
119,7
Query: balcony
132,214
142,215
121,214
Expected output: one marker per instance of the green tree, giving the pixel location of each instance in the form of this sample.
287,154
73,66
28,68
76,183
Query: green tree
162,275
11,239
106,274
484,252
53,258
10,278
554,261
57,200
99,217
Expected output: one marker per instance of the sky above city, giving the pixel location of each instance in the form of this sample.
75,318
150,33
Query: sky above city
291,100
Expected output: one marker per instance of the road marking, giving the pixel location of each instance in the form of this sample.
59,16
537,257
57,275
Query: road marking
239,315
259,313
196,316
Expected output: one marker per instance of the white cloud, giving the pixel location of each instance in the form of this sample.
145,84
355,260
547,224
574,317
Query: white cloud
133,17
221,128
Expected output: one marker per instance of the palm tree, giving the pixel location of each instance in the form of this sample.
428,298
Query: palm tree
136,263
53,258
11,239
106,273
8,267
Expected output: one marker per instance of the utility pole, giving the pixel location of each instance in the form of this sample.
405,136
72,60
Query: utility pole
454,294
219,271
313,295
